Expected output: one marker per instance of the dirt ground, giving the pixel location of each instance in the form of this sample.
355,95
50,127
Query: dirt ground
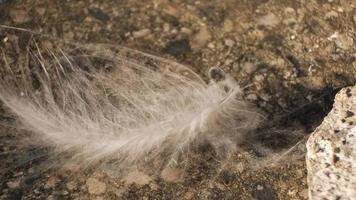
292,55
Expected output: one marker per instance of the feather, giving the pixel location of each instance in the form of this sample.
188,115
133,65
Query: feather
99,104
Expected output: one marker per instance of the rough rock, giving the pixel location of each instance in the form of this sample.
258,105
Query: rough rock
95,186
332,151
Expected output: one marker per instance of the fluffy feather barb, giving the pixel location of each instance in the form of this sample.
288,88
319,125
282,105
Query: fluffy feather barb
100,104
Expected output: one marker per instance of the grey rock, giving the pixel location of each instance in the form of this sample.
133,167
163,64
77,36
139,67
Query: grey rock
331,156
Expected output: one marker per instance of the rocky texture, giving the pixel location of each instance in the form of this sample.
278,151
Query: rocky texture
331,157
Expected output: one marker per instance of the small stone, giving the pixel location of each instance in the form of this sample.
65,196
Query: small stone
240,167
330,15
141,33
51,197
252,97
154,186
228,61
249,67
172,174
71,185
166,27
211,45
119,192
228,25
340,10
343,41
220,186
291,192
265,97
70,166
236,67
289,11
19,16
186,31
201,38
229,42
40,10
269,20
174,31
304,194
138,178
51,182
289,21
170,10
69,35
95,186
189,194
13,184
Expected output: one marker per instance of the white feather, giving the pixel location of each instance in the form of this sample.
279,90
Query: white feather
130,112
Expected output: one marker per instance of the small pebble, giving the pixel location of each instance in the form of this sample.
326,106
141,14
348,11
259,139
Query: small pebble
229,42
249,67
252,97
95,186
172,174
13,184
19,16
330,15
201,38
269,20
141,33
71,185
228,25
137,177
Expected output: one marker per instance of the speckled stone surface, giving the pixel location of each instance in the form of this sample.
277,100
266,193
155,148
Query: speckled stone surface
331,157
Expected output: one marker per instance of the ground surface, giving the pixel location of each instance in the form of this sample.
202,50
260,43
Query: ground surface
294,55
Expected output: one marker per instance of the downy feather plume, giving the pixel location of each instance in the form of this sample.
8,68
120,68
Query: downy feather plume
100,102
